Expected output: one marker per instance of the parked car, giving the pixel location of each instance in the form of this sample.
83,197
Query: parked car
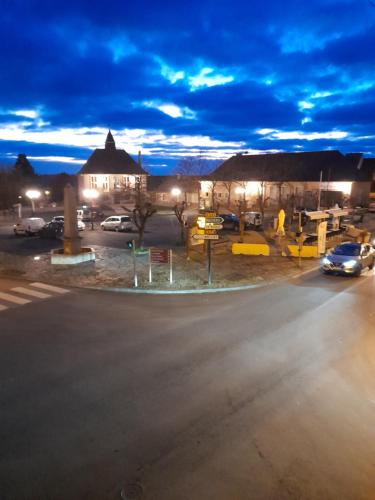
349,258
117,223
52,230
253,220
29,226
80,224
231,221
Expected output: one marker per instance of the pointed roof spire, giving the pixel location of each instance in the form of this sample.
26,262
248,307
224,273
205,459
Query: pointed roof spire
110,142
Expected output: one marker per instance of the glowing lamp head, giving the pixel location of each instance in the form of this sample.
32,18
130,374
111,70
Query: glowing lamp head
90,194
33,194
175,191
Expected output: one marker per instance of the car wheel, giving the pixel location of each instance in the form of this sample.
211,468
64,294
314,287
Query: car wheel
357,274
103,228
371,266
117,229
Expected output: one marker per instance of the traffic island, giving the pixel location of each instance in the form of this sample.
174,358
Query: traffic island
114,269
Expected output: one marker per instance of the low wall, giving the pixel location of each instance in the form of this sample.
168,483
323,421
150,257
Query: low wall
250,249
262,249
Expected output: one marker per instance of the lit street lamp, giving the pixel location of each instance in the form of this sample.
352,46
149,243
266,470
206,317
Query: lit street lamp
33,194
176,191
91,195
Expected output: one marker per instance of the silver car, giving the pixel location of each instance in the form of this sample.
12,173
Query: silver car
117,223
349,258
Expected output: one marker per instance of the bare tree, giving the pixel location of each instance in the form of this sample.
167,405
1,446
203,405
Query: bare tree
142,211
179,209
194,165
10,187
262,198
228,187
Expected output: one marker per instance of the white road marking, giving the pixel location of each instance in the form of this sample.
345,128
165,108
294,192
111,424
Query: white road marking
2,308
13,298
50,288
33,293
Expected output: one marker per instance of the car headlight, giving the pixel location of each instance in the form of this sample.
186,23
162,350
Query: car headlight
325,261
350,263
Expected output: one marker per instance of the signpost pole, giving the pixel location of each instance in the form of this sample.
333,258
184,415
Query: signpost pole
149,266
299,238
170,267
134,266
209,261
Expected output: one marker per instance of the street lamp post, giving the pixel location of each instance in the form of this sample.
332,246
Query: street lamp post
33,194
91,195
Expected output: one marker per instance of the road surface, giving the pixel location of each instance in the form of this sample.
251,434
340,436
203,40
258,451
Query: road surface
263,394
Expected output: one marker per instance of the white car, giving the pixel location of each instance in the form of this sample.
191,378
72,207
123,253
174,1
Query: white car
117,223
29,226
80,224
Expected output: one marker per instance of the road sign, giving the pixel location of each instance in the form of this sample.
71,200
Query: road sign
214,220
211,225
206,236
159,255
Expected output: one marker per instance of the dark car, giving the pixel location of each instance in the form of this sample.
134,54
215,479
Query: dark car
231,221
52,230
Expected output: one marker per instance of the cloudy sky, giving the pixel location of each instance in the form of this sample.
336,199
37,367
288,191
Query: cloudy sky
185,78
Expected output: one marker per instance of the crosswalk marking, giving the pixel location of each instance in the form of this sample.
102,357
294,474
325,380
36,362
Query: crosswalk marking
33,293
13,298
2,308
51,288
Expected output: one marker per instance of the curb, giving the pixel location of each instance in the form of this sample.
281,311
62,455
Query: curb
193,291
197,291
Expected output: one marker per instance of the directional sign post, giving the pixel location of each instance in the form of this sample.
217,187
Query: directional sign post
214,220
206,236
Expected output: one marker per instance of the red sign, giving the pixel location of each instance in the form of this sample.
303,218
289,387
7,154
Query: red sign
159,255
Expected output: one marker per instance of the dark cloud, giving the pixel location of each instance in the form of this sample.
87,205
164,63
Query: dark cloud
89,64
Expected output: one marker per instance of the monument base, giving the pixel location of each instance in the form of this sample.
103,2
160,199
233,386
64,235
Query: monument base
72,245
60,258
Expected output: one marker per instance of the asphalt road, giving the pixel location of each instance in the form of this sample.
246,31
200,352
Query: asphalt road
263,394
161,230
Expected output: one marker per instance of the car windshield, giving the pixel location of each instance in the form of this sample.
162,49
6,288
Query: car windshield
350,249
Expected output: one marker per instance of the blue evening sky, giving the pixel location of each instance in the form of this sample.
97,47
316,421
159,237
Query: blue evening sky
184,78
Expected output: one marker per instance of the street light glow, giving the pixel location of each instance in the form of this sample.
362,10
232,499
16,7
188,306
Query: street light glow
33,194
90,194
175,191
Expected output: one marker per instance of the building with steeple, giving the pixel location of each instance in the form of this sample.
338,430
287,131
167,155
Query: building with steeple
112,172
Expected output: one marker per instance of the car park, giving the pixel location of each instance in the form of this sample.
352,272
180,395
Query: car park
28,226
80,224
253,220
349,258
230,221
117,223
52,230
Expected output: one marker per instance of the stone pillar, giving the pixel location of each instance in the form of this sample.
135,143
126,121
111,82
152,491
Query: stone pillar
72,242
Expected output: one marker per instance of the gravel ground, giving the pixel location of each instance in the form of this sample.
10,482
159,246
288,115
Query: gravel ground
114,268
